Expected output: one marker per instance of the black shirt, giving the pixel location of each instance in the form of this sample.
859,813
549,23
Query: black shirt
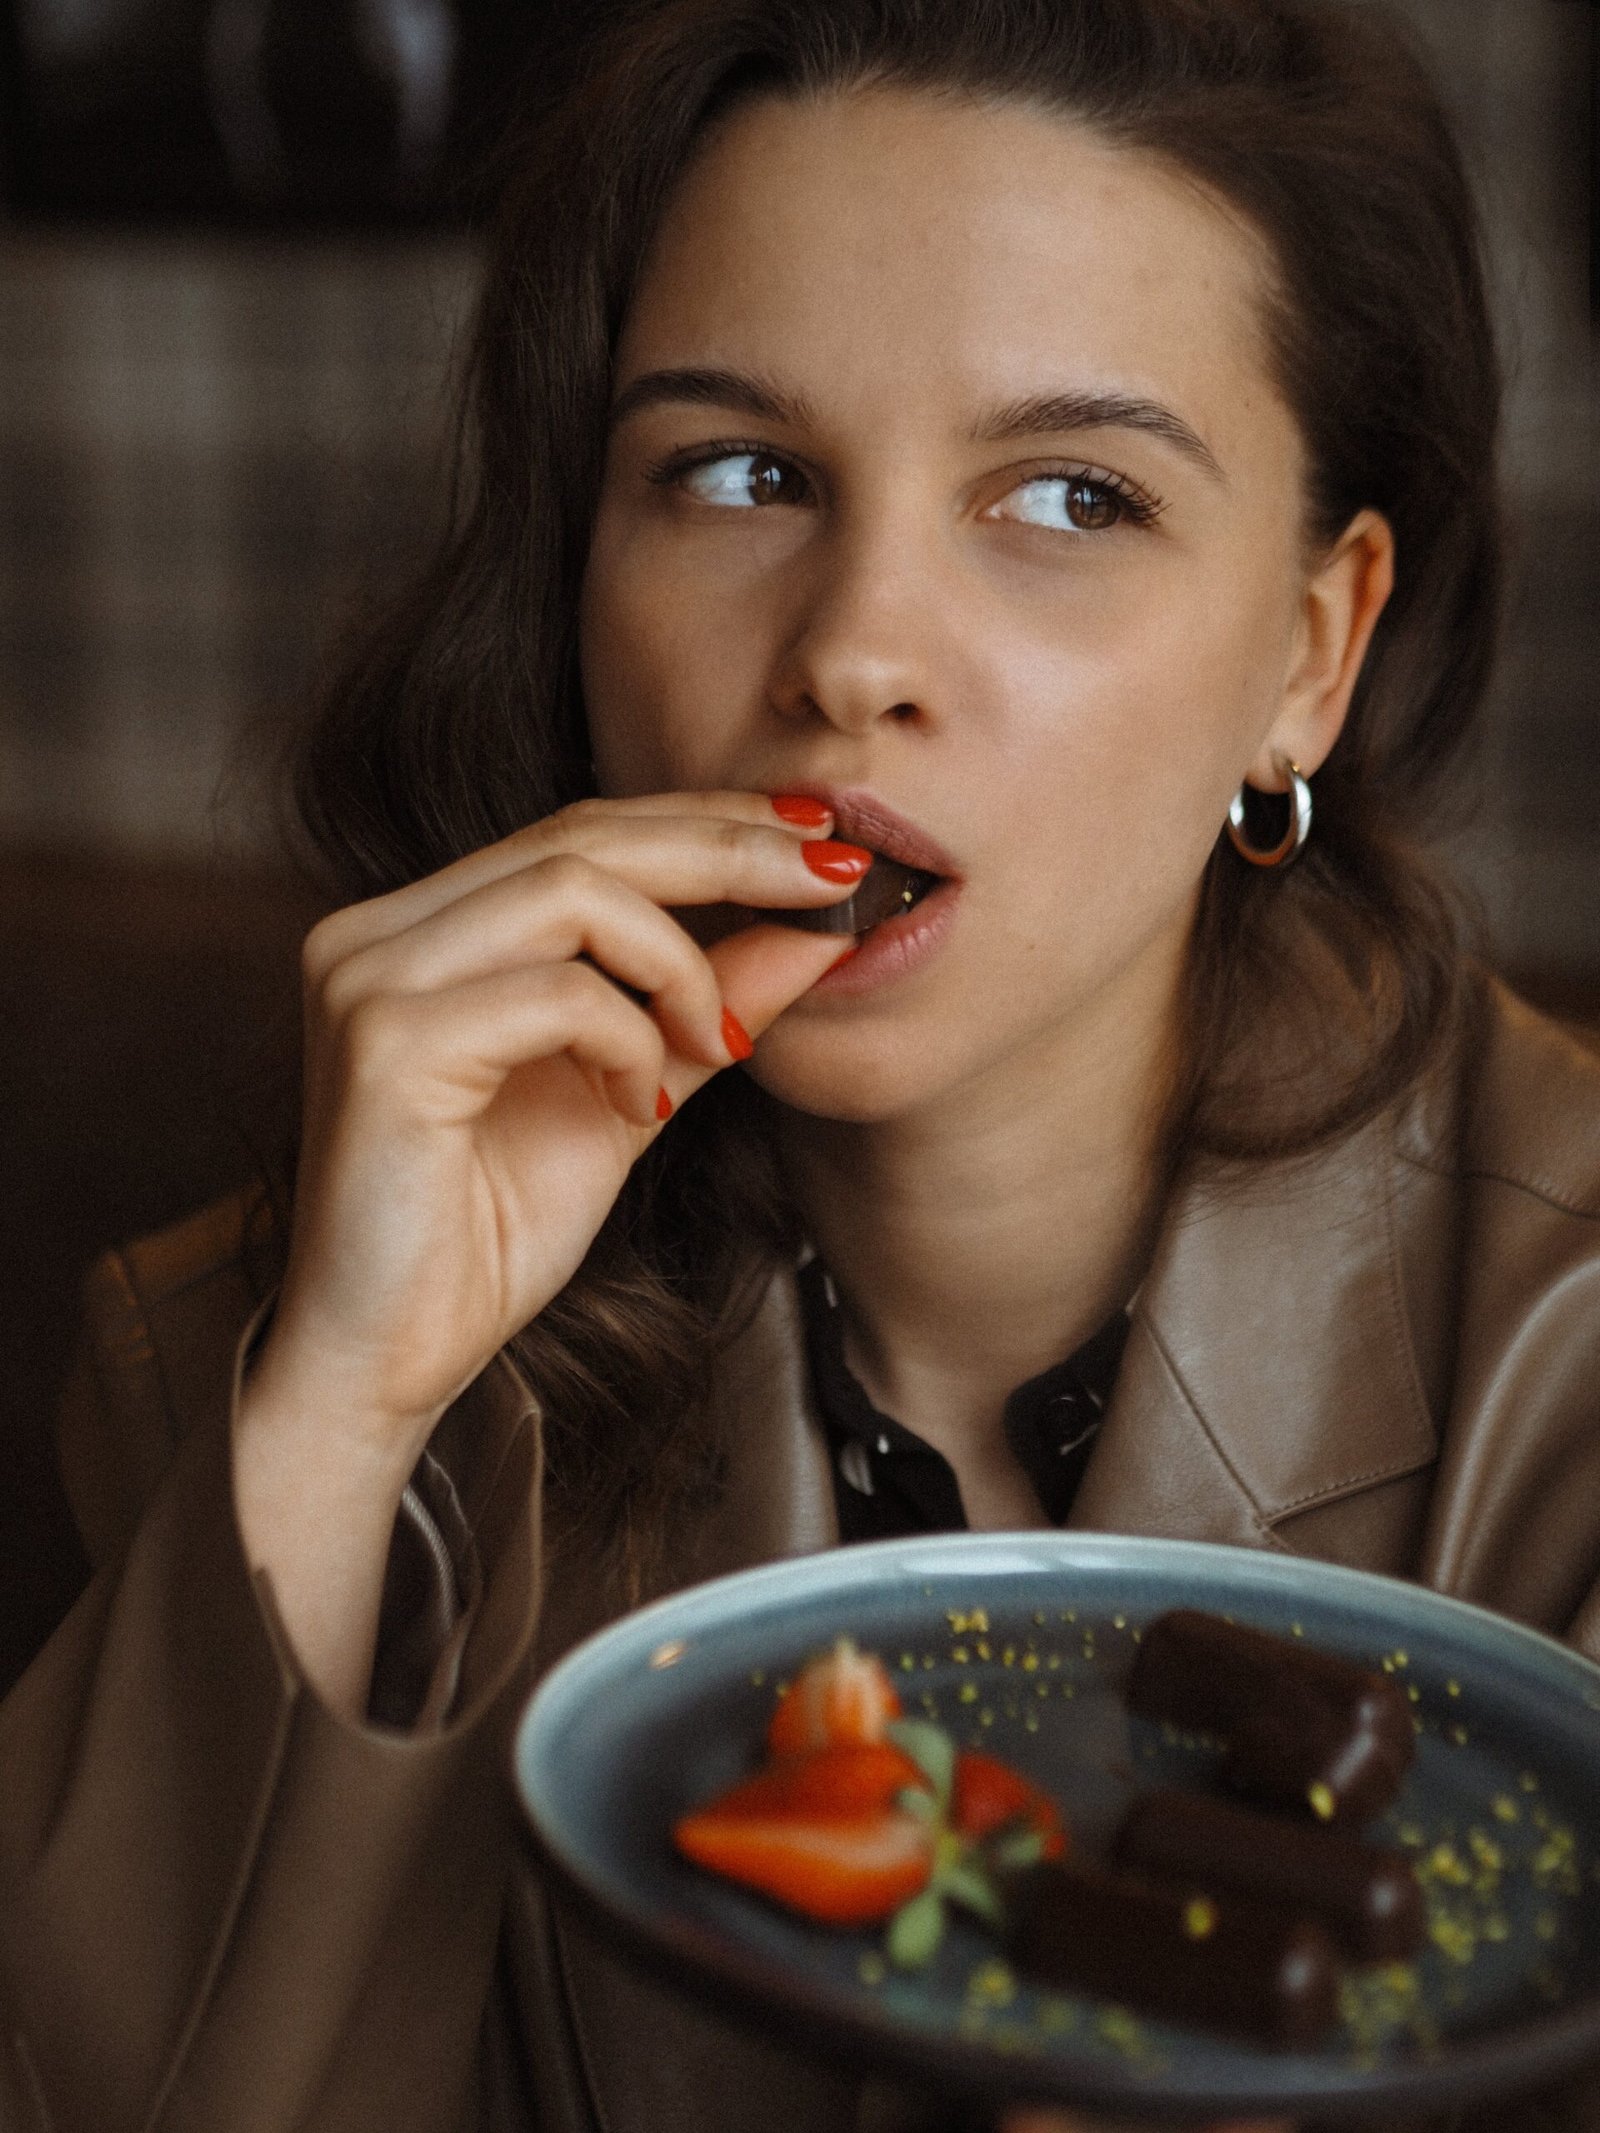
888,1481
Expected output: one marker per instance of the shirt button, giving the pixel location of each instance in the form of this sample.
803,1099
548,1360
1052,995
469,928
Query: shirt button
855,1467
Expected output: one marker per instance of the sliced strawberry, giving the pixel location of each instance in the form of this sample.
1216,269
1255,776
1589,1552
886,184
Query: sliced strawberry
820,1832
840,1697
828,1785
988,1795
849,1871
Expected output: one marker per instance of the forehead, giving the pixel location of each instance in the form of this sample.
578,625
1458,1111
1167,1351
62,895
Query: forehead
905,244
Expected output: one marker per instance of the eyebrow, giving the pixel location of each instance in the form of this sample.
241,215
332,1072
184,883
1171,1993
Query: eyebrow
737,389
1049,414
1040,415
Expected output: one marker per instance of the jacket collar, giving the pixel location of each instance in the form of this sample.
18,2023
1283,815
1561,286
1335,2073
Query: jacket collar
1270,1369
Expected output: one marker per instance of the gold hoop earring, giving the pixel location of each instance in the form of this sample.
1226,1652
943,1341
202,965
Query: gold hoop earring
1293,837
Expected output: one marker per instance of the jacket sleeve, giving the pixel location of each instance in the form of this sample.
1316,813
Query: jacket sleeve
221,1905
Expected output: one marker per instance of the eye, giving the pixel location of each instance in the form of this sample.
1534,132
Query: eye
1075,503
740,480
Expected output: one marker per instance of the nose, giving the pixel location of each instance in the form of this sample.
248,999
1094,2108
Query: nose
864,641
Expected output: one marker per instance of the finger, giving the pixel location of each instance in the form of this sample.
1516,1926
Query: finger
765,969
570,904
799,812
450,1052
761,971
678,861
553,912
582,828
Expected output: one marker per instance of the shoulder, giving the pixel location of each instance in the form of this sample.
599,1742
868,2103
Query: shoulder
1512,1520
175,1302
1516,1104
162,1320
1533,1117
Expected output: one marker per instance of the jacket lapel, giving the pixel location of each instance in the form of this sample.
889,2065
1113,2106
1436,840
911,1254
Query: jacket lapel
777,1499
1270,1371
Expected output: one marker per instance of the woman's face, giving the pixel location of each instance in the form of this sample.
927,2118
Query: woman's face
948,475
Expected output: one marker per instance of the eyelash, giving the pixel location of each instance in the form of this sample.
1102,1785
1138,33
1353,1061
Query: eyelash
676,464
1139,506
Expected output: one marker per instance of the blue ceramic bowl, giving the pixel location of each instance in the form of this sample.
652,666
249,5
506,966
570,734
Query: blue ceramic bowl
1021,1643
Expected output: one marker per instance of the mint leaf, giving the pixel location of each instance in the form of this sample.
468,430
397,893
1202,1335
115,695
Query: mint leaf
916,1930
914,1800
1025,1847
968,1885
931,1749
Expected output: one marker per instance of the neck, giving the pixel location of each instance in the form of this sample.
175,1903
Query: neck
983,1237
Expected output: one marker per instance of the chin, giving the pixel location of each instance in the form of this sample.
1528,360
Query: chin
860,1090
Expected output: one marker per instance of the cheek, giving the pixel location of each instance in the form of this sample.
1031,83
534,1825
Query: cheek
1109,846
661,670
1201,672
1124,751
621,663
1148,716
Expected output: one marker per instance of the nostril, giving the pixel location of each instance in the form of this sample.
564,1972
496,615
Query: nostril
902,711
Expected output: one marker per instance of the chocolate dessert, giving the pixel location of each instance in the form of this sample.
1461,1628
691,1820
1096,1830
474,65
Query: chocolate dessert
886,889
1366,1896
1222,1962
1302,1728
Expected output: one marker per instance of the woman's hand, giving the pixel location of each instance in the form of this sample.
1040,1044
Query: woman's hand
486,1056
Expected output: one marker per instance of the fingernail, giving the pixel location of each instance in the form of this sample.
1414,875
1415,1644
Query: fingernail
663,1104
836,862
735,1036
799,807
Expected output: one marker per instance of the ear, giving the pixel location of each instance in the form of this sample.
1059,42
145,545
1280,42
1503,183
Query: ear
1339,611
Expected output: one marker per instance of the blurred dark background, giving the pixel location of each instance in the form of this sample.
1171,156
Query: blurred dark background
236,258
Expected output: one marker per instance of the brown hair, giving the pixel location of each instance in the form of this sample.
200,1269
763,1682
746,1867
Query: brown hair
460,719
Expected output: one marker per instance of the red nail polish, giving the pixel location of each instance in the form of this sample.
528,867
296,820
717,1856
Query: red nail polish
800,808
663,1104
836,862
735,1036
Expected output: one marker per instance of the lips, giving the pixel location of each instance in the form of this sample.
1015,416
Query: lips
862,818
907,865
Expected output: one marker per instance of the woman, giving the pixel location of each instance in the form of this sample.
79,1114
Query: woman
1014,440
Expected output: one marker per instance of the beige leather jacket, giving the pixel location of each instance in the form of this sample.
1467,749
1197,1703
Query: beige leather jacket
224,1911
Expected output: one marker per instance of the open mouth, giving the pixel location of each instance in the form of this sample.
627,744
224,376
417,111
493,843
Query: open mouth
886,890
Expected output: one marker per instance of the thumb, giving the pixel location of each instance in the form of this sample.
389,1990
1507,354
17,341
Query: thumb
762,970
